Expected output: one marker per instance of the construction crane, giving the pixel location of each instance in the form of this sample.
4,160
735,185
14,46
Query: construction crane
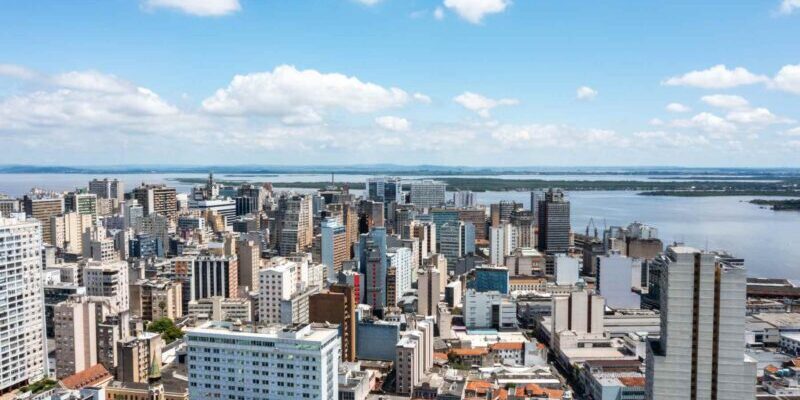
591,224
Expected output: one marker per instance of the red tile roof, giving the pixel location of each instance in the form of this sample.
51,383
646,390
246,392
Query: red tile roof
95,375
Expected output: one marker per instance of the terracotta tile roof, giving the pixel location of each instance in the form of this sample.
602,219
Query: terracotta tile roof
478,386
500,394
539,345
93,376
478,351
507,346
796,362
631,381
440,356
533,389
771,369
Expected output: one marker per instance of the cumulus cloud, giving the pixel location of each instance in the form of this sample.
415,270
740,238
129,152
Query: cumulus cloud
289,92
707,122
475,10
791,132
17,72
787,79
670,139
368,2
716,77
755,116
725,101
554,135
481,104
585,93
392,123
788,6
200,8
677,108
422,98
438,13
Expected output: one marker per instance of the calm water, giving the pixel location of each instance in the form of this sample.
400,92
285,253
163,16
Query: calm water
769,241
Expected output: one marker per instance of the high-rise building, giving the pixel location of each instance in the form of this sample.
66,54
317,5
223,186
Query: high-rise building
476,216
157,199
258,362
213,275
337,306
139,357
333,247
501,212
108,189
488,278
399,268
248,253
372,259
385,190
414,356
429,291
500,243
8,206
617,277
67,230
456,240
218,308
554,222
464,198
42,209
75,336
278,283
156,298
23,359
81,203
700,352
108,279
427,193
294,224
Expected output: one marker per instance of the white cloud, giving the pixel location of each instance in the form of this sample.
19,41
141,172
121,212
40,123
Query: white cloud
791,132
368,2
755,116
422,98
480,104
585,93
716,77
438,13
787,79
287,91
788,6
17,72
656,122
707,122
725,101
200,8
670,139
474,10
677,108
391,123
554,135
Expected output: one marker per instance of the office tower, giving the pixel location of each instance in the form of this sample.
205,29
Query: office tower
373,262
554,222
258,362
250,199
500,243
56,292
522,223
580,312
617,276
67,230
414,356
456,240
333,247
157,199
429,291
42,209
294,310
108,279
224,208
108,189
81,203
139,357
370,215
476,216
111,328
385,190
399,262
464,198
403,216
152,299
294,224
425,233
248,255
75,336
501,212
132,212
22,359
427,193
337,306
490,309
489,278
700,353
8,206
214,275
566,269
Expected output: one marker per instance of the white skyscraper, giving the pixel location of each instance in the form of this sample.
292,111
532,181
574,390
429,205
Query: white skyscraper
108,279
227,361
22,358
399,258
700,354
427,193
500,242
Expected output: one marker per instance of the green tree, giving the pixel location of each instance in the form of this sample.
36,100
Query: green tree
169,332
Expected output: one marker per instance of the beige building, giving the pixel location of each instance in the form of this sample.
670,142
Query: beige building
429,291
414,356
75,335
67,230
156,298
42,210
218,308
249,253
138,357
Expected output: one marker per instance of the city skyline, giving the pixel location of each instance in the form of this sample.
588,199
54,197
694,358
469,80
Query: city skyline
489,82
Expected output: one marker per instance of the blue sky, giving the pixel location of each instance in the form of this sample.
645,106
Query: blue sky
460,82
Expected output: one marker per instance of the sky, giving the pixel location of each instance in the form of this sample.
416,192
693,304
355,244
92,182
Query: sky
446,82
